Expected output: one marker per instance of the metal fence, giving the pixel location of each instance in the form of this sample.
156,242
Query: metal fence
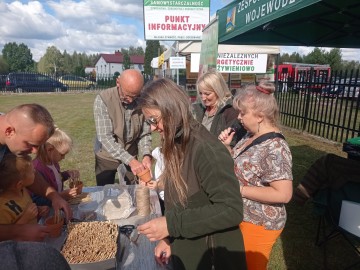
20,82
326,106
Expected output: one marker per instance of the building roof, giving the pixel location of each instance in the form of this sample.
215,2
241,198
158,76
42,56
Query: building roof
118,58
137,59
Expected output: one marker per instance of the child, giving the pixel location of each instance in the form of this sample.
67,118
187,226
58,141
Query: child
159,168
16,206
47,164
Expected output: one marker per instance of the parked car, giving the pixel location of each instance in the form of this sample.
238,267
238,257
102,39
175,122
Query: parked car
76,82
2,82
333,90
351,89
19,82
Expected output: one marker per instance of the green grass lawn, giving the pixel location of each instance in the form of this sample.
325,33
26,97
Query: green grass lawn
295,249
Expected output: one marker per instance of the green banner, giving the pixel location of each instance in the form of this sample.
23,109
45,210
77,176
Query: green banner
178,3
209,47
241,16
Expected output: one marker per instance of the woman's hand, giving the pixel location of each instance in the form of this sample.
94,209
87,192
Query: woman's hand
151,184
226,136
155,229
163,252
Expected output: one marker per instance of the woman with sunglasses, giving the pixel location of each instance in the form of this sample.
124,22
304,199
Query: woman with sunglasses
215,111
202,195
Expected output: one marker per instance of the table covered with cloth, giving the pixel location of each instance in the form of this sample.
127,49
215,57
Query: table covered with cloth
131,254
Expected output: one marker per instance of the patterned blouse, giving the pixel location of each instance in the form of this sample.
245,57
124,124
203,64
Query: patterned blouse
258,166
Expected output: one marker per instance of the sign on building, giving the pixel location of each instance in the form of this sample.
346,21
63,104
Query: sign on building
175,20
178,62
241,62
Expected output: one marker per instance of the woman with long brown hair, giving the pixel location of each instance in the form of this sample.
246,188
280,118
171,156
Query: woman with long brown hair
202,199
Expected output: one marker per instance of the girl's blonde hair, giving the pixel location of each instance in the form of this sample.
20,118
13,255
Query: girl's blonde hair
59,140
261,99
214,81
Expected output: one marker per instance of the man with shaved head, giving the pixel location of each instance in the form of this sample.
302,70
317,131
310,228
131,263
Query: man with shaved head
22,131
121,130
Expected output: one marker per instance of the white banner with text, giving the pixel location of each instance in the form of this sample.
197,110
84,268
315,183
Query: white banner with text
241,62
175,20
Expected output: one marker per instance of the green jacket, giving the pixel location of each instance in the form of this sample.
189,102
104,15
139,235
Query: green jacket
208,227
226,116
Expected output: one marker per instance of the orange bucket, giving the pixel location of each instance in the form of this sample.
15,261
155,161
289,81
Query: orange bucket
144,175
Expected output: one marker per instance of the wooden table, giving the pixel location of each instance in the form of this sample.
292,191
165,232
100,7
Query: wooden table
131,256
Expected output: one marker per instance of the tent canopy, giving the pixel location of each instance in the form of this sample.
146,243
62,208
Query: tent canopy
320,23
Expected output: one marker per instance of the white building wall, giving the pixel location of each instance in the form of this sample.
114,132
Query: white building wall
104,69
115,68
100,68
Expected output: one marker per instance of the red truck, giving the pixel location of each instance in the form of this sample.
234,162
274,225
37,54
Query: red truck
300,76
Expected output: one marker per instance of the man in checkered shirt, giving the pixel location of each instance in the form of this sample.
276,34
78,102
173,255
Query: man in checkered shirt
121,132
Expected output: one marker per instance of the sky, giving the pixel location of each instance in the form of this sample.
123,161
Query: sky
90,26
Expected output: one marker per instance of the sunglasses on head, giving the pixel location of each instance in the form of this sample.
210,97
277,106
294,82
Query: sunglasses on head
153,120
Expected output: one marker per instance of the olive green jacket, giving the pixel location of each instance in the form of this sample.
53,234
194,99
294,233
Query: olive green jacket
226,116
207,229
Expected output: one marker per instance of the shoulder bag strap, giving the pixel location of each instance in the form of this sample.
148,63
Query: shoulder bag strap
263,138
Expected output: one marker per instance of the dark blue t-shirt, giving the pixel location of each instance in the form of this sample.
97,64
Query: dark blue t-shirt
3,150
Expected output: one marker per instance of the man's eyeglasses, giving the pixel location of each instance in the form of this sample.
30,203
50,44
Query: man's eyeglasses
126,97
153,120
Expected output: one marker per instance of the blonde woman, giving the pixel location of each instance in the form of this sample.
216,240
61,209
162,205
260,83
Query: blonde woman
47,164
199,229
215,111
263,166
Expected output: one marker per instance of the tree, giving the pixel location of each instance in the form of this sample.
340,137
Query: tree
333,58
4,67
126,61
317,56
52,61
294,58
136,51
350,65
18,57
285,57
67,63
152,50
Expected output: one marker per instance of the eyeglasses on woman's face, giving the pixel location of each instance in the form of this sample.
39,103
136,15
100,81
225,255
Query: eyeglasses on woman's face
153,120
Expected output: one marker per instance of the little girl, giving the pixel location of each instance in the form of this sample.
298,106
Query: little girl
47,164
159,168
16,206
